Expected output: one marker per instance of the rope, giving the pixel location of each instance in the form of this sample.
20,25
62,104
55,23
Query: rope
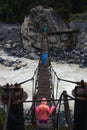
30,78
57,89
25,81
66,32
48,100
63,79
67,81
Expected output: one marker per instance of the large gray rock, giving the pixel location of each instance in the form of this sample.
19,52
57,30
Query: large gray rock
81,38
33,24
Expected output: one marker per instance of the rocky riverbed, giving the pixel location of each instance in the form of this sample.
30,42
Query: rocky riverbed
11,43
23,40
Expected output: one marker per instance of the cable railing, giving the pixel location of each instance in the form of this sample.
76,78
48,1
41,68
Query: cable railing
54,80
64,98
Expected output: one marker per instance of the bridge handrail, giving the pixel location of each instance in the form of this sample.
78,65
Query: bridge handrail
63,79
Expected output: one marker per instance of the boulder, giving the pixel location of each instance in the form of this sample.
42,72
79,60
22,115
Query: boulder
33,24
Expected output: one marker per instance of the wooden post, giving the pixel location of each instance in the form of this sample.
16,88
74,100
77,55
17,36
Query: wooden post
67,110
80,115
80,107
16,119
13,96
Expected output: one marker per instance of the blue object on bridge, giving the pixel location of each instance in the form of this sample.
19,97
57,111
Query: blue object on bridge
45,29
44,57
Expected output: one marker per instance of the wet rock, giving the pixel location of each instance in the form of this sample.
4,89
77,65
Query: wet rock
33,56
7,46
1,37
1,60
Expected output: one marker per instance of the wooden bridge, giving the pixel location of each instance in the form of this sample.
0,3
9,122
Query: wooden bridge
43,86
44,73
44,79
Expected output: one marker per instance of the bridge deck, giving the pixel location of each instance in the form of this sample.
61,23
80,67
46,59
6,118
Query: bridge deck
44,81
44,89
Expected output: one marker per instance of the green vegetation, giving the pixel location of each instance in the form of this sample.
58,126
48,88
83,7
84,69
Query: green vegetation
79,16
32,128
0,89
12,11
29,128
2,117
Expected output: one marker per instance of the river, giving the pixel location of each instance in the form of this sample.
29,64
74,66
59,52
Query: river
70,72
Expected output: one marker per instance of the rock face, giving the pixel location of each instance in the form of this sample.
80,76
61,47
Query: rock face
10,39
81,42
33,24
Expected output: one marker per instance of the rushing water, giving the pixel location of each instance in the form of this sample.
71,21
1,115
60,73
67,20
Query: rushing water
70,72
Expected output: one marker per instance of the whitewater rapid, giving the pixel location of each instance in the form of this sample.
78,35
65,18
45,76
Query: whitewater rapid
70,72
